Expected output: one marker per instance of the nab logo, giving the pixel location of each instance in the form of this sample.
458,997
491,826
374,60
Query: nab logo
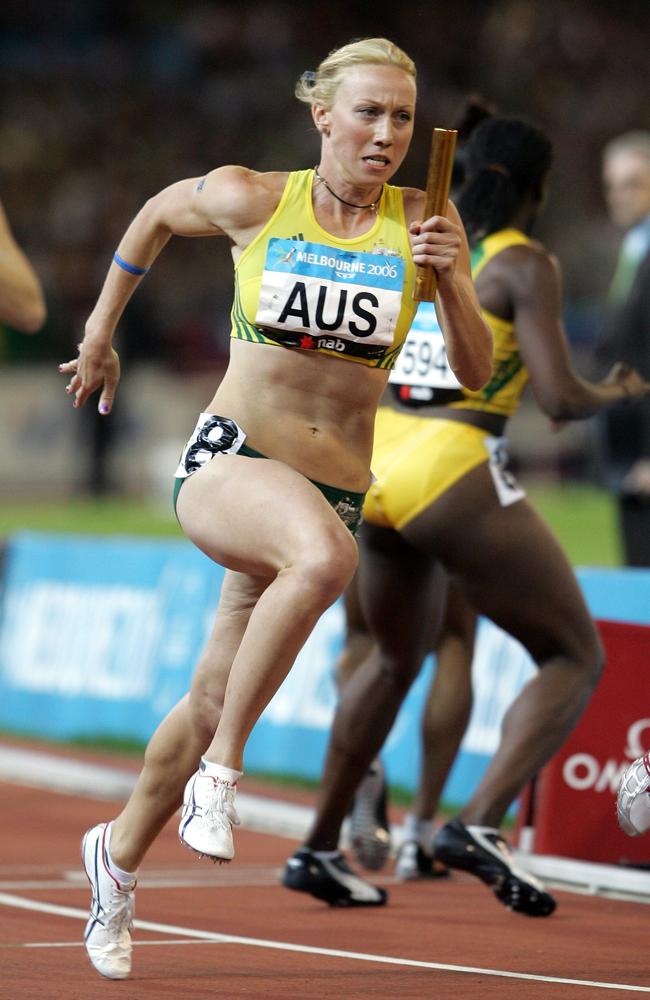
308,343
331,343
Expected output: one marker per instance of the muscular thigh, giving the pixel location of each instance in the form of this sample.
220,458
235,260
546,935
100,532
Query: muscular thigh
508,563
256,516
402,593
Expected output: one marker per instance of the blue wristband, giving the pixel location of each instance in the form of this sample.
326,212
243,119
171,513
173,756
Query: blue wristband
131,268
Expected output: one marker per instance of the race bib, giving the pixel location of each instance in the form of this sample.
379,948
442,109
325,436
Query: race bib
315,296
507,488
423,359
213,435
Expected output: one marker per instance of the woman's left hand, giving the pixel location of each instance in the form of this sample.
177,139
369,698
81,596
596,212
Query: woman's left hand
436,243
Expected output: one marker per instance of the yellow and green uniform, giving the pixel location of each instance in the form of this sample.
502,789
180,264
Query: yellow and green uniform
503,392
296,285
415,458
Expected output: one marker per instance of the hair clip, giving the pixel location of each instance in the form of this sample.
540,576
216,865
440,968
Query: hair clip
309,77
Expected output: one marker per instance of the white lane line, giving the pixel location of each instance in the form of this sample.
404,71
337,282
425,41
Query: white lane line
355,956
80,944
34,885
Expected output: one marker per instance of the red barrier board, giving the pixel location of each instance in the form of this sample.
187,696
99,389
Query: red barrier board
572,807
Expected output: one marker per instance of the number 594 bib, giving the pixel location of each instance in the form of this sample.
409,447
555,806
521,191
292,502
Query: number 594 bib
423,359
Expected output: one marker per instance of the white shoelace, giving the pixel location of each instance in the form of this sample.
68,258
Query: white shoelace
220,811
119,915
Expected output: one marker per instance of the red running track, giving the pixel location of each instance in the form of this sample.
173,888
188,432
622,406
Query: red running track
234,931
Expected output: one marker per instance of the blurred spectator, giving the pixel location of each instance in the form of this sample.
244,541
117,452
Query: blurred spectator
22,304
105,107
625,430
106,103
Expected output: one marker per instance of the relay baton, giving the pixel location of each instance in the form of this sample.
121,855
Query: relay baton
441,161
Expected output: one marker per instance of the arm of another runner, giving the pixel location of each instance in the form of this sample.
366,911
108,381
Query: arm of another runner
440,242
22,304
535,287
224,203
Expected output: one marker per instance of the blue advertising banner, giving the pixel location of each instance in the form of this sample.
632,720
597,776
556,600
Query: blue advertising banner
99,638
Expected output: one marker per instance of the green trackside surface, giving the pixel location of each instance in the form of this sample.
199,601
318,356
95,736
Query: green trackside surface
582,517
91,516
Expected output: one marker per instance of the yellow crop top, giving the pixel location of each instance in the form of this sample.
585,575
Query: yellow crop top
298,286
502,393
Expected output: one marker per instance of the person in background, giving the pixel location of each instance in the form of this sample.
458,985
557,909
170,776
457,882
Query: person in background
443,503
445,716
449,699
271,482
625,430
22,303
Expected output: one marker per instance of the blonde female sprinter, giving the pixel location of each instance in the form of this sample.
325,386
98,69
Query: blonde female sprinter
272,480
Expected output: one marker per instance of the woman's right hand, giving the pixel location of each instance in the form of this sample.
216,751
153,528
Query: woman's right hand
633,384
98,365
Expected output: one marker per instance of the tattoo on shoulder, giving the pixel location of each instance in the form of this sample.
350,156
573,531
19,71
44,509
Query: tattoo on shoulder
201,184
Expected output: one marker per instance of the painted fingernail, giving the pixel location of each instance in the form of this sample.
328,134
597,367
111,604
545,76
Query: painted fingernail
103,408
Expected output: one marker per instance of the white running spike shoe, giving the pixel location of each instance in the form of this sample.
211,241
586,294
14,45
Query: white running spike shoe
108,931
208,816
633,800
369,826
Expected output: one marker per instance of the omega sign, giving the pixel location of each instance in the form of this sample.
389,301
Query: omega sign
582,771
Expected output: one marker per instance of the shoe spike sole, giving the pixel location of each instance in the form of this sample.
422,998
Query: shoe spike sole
207,857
